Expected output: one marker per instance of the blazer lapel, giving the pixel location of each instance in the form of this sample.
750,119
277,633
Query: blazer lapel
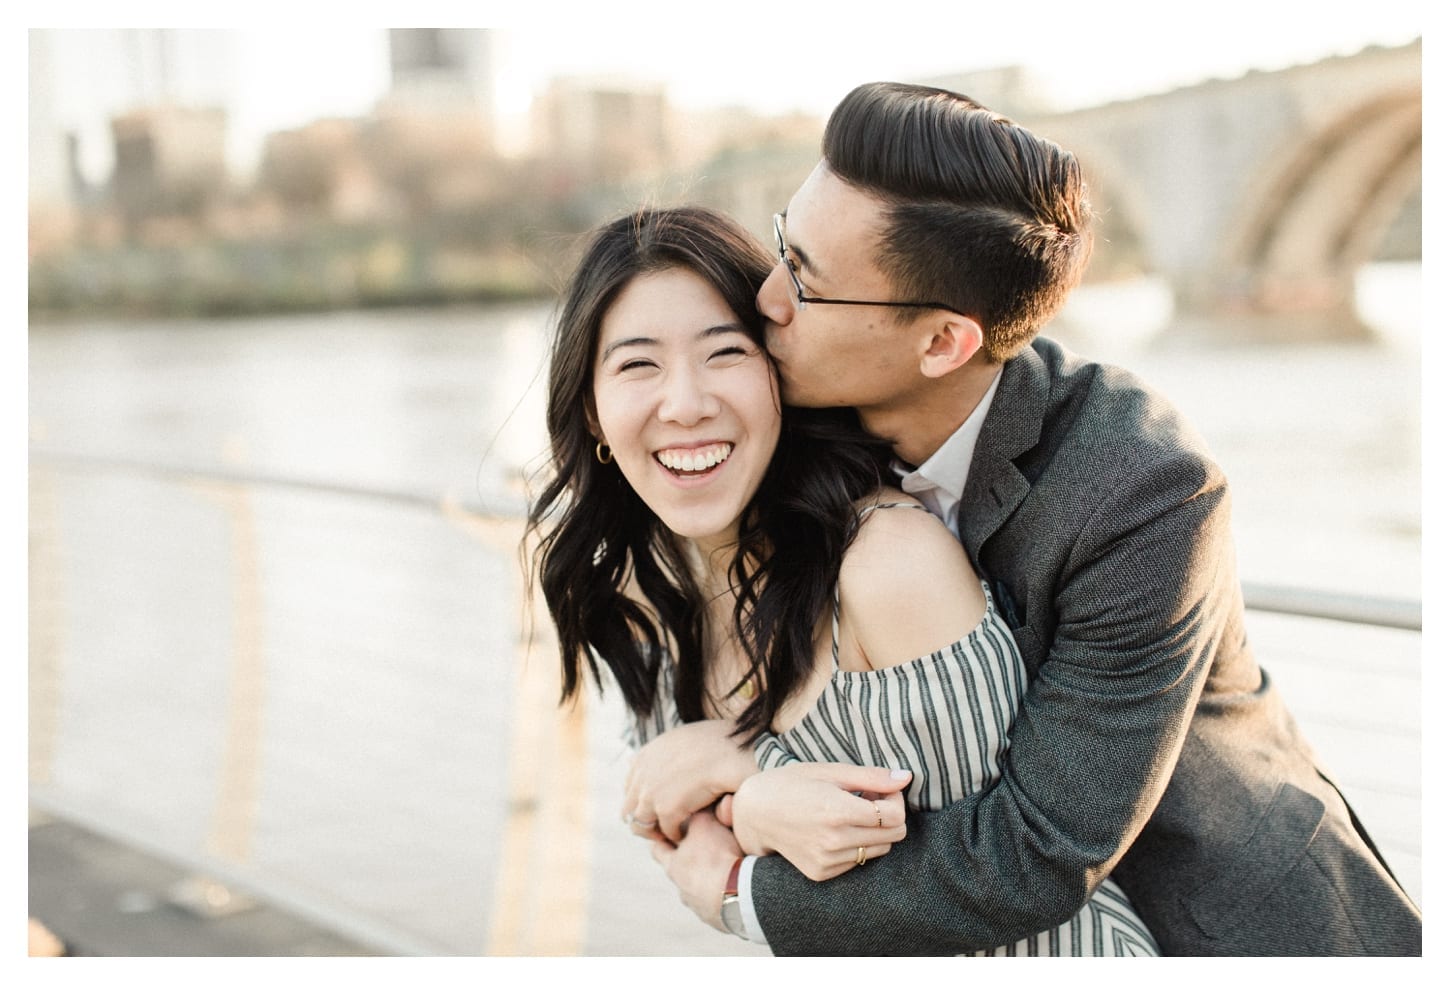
995,486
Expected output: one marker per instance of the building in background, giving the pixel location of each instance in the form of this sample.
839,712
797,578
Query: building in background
432,136
125,125
443,73
170,162
443,67
80,79
602,130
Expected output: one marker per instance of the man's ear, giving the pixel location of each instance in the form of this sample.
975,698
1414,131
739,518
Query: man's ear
956,339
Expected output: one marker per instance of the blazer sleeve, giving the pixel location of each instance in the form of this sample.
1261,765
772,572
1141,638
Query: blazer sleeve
1145,597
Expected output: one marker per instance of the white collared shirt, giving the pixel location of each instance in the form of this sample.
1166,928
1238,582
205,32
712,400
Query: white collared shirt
937,484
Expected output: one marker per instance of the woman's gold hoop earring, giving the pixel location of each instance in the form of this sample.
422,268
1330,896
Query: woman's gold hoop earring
602,452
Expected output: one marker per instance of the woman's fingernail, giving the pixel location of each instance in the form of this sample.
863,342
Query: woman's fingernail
901,774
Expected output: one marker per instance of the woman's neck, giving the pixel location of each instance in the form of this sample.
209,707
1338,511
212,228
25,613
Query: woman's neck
710,560
725,662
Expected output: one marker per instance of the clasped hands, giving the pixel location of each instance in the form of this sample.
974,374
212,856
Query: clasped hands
824,818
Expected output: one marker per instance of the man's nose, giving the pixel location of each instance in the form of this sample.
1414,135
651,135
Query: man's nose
773,300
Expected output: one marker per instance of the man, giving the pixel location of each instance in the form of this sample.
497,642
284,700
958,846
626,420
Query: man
920,259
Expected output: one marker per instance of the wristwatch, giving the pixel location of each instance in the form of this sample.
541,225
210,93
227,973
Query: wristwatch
730,903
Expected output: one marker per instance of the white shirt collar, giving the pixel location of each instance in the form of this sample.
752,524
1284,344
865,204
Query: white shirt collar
939,481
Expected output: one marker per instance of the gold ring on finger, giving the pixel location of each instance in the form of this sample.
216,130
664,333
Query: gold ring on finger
861,855
879,822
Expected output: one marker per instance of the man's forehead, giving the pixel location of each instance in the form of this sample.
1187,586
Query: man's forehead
828,214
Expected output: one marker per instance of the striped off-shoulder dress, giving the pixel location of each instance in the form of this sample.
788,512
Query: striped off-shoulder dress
945,716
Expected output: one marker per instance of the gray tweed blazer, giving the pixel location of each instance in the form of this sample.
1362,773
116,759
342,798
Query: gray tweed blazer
1150,744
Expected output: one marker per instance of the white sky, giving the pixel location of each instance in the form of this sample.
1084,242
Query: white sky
771,56
783,57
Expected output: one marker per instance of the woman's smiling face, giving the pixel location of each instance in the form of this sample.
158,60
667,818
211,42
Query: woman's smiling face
687,402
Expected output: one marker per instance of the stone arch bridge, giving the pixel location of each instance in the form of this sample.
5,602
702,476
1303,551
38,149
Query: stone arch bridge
1256,199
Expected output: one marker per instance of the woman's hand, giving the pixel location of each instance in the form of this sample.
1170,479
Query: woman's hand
680,772
811,814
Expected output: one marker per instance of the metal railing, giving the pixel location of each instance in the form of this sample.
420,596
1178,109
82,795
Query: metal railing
1369,610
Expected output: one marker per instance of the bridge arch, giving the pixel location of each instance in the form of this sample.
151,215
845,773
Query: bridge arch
1122,216
1324,203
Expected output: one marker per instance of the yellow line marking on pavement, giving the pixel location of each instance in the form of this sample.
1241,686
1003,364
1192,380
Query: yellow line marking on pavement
234,813
540,902
236,807
562,849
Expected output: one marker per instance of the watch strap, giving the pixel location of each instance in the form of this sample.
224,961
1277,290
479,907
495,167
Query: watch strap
732,881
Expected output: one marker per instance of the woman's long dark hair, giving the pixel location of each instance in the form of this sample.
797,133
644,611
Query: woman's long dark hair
596,533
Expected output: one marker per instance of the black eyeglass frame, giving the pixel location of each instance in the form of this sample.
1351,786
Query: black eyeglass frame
778,220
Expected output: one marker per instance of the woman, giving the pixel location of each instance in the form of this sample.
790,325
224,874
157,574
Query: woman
741,570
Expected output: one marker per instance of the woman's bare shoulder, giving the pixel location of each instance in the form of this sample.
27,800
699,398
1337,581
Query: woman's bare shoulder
907,587
892,521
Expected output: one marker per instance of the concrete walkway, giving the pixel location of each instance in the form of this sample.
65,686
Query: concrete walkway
101,897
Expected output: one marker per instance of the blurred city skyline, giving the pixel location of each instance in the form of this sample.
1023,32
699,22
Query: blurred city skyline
422,189
268,80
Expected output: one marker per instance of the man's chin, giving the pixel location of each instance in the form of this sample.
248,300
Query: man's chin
792,392
794,396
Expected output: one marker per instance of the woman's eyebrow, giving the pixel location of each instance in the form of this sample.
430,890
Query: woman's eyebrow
730,328
620,343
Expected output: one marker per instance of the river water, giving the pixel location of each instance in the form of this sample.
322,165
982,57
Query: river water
321,694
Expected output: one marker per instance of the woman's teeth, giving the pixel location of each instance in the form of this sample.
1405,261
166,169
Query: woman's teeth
694,459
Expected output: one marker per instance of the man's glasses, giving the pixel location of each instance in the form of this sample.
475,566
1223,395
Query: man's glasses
800,290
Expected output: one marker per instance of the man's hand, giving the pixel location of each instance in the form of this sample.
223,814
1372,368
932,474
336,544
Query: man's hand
682,771
810,813
700,864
